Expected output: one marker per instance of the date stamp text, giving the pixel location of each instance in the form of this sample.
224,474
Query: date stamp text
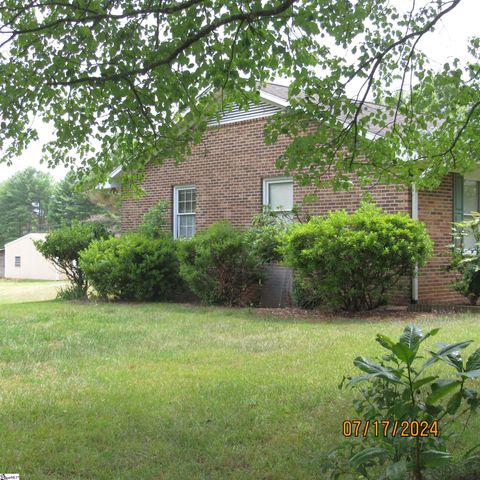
390,428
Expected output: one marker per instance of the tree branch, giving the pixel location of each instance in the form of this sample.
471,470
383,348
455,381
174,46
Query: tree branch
205,31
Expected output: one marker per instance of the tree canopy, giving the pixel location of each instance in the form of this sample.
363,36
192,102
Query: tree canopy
30,201
129,82
69,205
24,202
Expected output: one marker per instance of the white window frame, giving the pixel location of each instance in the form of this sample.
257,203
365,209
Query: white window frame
175,207
467,214
266,190
19,263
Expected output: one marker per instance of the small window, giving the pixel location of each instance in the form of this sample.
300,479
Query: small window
18,261
184,206
278,194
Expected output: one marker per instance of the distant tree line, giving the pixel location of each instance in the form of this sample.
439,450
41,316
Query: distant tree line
31,201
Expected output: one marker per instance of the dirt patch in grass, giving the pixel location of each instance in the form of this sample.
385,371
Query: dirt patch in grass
388,313
327,315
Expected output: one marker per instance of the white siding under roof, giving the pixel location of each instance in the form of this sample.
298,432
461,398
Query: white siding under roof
263,109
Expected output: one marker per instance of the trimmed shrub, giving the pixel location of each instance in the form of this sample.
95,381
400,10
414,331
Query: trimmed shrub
132,267
354,260
63,246
219,267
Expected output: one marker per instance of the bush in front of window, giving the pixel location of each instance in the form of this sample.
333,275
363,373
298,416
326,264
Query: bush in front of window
63,246
132,267
155,220
352,261
220,267
266,233
466,261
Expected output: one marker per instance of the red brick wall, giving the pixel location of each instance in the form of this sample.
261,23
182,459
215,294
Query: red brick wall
435,209
227,170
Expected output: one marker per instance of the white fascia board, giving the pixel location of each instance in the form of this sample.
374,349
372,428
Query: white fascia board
111,182
116,171
268,97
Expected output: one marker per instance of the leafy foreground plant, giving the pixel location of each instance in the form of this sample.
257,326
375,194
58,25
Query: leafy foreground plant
408,414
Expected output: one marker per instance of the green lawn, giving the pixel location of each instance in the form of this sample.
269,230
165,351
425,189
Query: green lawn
176,392
16,291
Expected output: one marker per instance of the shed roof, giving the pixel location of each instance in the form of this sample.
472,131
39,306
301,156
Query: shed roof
33,236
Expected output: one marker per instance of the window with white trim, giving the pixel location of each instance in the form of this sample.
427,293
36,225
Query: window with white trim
278,194
18,261
184,206
466,202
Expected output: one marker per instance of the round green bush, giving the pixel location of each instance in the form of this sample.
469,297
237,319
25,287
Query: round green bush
354,260
132,267
219,266
63,247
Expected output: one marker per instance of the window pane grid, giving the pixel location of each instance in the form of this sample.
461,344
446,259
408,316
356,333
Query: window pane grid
186,226
185,205
186,201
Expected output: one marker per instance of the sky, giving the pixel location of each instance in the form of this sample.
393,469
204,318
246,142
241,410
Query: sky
447,42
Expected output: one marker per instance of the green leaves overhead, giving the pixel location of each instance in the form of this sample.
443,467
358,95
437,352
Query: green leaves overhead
116,80
118,76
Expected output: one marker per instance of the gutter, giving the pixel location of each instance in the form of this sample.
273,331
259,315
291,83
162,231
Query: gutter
414,293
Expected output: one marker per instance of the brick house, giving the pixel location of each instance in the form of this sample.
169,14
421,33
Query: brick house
232,173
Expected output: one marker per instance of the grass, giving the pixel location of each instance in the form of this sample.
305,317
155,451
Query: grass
119,391
19,291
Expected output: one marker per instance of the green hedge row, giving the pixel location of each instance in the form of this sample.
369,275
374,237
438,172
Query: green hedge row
348,261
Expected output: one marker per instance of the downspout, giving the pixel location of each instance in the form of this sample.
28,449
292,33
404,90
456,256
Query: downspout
414,298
